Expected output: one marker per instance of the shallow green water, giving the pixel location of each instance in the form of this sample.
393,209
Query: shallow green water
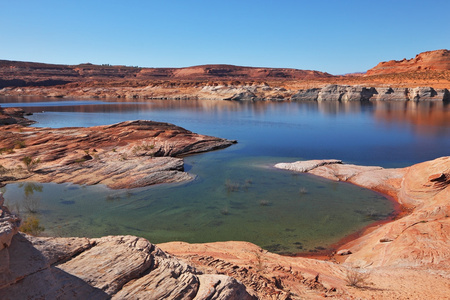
246,200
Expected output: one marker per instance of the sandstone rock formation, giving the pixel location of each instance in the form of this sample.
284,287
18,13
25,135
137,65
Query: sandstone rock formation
266,275
198,82
119,267
251,91
392,94
430,60
421,238
359,93
241,92
428,93
272,276
13,115
124,155
308,165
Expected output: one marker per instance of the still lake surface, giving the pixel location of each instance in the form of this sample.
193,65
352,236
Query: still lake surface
278,210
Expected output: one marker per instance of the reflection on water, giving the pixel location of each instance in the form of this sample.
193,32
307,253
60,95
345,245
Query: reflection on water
29,202
236,194
427,117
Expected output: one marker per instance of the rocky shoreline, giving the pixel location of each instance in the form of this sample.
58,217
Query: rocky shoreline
361,93
408,258
124,155
13,115
422,189
242,92
113,267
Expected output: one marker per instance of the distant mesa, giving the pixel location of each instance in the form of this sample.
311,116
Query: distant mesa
438,60
16,73
231,71
427,69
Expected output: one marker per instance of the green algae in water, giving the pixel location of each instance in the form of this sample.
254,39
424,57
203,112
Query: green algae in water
299,213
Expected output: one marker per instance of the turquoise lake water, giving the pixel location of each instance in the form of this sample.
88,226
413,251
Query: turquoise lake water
237,194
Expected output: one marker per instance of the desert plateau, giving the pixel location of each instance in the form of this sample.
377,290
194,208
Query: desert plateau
425,77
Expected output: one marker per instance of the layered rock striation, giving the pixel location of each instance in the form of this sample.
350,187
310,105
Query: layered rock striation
124,155
241,92
13,115
425,61
113,267
23,74
360,93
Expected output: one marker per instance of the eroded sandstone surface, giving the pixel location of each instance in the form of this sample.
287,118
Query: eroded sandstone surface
429,60
272,276
124,155
113,267
13,115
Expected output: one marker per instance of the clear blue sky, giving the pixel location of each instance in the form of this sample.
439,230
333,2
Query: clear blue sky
331,36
